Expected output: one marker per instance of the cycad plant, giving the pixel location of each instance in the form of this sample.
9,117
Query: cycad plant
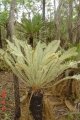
31,28
38,68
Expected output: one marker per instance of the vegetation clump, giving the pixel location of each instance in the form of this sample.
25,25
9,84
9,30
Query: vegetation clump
39,68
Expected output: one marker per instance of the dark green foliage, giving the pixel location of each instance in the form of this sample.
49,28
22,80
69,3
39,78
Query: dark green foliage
32,26
3,18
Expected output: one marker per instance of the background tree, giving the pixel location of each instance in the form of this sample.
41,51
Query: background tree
44,9
10,35
70,20
11,21
78,23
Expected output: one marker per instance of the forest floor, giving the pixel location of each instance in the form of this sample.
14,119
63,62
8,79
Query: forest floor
62,109
6,96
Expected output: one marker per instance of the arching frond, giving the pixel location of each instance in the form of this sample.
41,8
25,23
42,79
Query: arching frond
40,66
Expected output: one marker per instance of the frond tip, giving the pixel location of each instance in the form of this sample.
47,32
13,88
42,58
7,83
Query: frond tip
40,66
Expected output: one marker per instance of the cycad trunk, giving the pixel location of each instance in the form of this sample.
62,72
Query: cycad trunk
36,105
70,94
31,40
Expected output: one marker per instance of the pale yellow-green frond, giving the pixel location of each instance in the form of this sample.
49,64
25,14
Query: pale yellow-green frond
39,66
52,47
68,54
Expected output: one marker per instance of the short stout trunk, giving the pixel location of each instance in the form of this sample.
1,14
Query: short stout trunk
36,105
70,86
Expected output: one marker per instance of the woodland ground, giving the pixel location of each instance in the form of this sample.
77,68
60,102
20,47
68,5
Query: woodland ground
56,107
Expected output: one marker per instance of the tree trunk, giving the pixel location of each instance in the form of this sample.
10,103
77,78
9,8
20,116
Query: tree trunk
0,33
0,38
54,8
70,21
17,98
11,33
78,24
57,19
11,21
44,10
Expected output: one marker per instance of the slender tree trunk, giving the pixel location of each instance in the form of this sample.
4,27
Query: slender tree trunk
0,38
11,33
17,98
54,8
78,24
70,21
57,18
44,10
0,33
11,20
